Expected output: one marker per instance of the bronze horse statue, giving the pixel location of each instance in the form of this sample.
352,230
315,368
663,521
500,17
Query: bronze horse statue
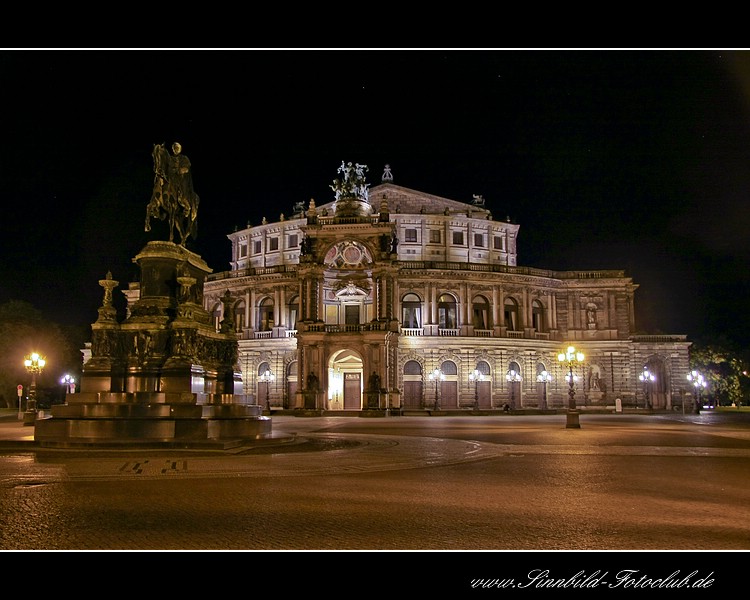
173,197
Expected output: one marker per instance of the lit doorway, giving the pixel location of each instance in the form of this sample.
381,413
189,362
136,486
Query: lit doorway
345,371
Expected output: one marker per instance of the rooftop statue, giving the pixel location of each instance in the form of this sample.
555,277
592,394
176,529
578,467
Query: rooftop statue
353,185
173,197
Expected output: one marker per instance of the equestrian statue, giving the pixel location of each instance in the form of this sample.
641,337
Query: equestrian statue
173,197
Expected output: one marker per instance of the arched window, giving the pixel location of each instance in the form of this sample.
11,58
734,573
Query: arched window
412,367
512,322
449,368
216,316
239,316
265,315
411,312
538,316
292,313
480,313
262,368
483,367
447,312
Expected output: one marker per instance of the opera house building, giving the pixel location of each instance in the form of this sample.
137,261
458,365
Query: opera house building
386,299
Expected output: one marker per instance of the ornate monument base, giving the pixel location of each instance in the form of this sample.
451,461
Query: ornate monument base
162,377
153,419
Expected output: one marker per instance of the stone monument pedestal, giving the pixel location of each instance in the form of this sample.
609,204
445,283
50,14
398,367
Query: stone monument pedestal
162,377
154,419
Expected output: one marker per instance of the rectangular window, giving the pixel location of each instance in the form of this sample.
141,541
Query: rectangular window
410,235
292,241
497,242
243,250
256,247
478,240
351,314
273,244
434,236
458,238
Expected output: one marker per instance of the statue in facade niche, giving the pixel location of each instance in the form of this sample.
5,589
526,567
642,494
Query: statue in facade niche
173,197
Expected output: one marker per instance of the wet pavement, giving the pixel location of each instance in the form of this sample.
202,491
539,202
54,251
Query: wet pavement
621,482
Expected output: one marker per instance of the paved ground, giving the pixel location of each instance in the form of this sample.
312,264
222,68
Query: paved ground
664,482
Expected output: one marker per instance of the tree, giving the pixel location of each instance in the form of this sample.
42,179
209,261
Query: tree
723,369
23,330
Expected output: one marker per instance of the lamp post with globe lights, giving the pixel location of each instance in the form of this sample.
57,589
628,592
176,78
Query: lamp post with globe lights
570,357
512,377
646,378
544,378
69,382
34,364
699,383
437,376
476,376
267,377
19,390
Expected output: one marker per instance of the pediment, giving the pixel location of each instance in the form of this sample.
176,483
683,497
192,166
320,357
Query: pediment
403,200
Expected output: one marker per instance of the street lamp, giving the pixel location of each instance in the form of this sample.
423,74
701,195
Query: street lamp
699,383
646,377
437,375
544,378
476,376
513,376
34,364
69,382
267,377
570,357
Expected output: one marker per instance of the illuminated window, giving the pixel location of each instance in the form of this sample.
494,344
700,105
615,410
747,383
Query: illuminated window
216,316
411,312
538,315
480,308
239,316
511,314
447,312
265,315
293,309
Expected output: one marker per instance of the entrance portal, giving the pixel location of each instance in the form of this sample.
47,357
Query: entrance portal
345,372
352,391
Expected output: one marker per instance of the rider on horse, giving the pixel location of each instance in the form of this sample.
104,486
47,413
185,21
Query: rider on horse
173,196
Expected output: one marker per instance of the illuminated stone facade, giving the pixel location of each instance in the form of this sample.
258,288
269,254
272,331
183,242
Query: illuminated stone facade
353,304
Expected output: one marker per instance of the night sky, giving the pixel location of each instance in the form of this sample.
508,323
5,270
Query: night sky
608,159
